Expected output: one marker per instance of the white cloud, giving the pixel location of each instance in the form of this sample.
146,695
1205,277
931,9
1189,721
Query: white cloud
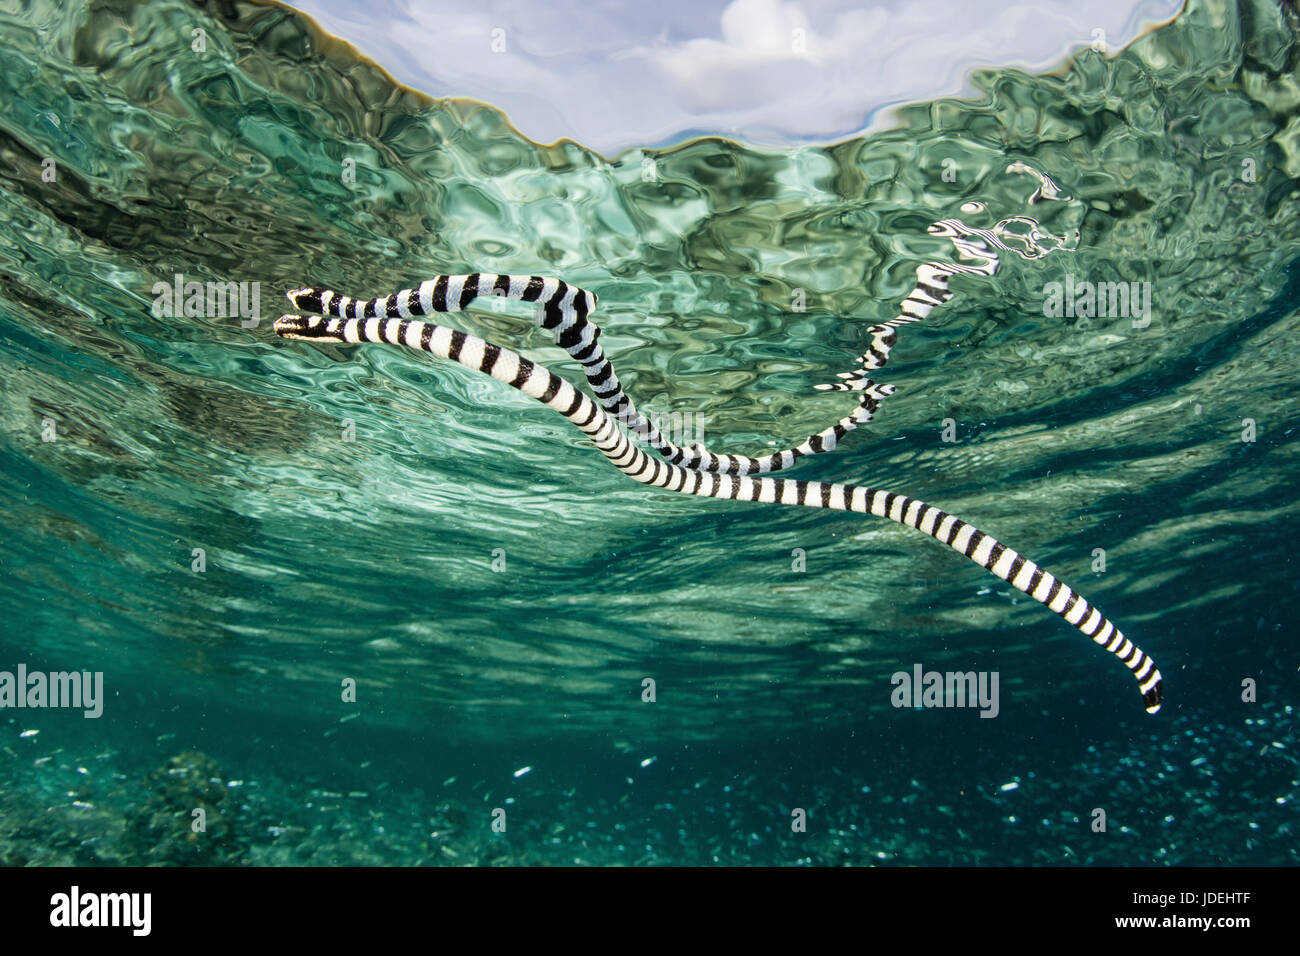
618,75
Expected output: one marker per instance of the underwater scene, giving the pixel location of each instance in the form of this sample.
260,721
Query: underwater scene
280,590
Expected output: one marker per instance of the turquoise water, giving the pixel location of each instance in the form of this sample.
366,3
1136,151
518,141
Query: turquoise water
373,552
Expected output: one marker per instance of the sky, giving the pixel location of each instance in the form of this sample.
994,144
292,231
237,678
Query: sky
621,75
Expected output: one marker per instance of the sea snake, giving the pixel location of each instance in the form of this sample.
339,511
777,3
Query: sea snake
564,309
393,327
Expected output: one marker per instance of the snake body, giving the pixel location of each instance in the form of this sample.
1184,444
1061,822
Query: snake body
387,321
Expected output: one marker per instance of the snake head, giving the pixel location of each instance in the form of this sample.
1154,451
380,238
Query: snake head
308,327
309,300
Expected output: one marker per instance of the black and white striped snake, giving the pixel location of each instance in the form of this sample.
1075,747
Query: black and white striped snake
564,309
696,471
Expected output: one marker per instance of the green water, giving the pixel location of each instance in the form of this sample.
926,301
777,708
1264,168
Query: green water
276,157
